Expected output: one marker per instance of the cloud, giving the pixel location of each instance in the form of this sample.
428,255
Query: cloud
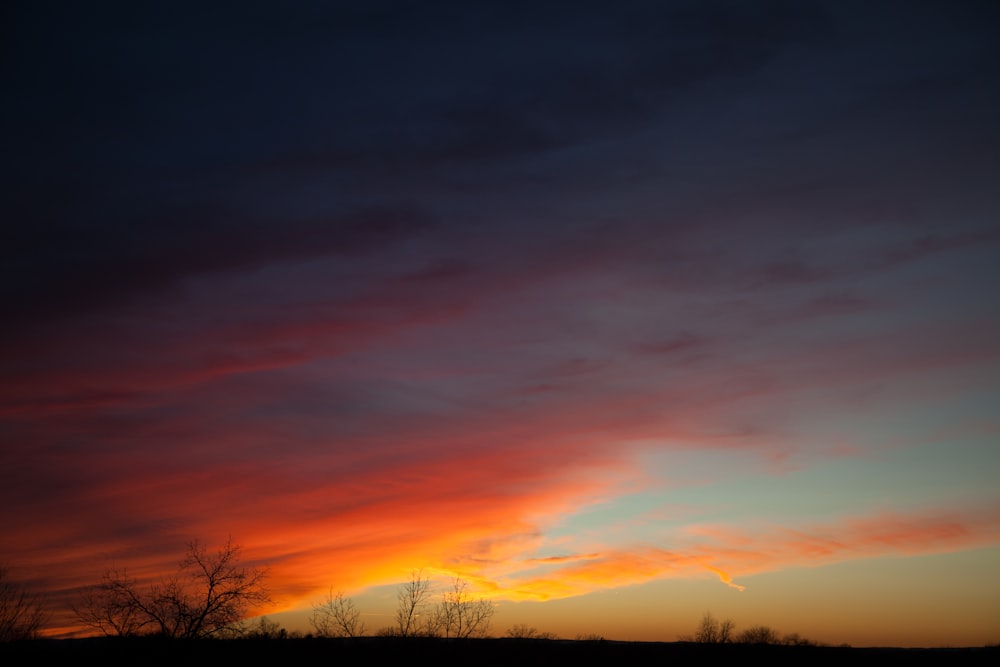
104,263
730,553
367,308
749,552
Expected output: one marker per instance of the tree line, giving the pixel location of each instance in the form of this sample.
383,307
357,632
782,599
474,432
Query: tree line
711,630
458,614
212,594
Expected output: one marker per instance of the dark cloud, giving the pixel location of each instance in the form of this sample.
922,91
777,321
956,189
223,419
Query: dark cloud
682,344
69,266
155,142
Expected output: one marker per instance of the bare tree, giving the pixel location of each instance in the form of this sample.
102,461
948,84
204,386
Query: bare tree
712,631
459,615
112,606
211,592
412,599
337,617
21,613
726,630
208,595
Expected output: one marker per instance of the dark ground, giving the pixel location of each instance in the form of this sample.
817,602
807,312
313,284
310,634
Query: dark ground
478,653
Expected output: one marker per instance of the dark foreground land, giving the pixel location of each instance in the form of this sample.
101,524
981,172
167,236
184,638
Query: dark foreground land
473,653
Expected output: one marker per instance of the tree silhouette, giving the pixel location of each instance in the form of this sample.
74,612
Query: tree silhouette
21,613
208,596
461,616
712,631
113,606
412,601
337,617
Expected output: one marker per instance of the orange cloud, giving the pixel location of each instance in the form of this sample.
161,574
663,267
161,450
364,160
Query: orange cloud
175,448
771,548
726,554
482,516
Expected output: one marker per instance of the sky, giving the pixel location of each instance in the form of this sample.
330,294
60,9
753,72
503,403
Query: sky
622,312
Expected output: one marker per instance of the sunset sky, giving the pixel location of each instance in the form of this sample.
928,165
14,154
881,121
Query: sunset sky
623,312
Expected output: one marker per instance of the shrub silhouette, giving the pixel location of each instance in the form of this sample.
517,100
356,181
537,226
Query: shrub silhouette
759,634
265,628
522,631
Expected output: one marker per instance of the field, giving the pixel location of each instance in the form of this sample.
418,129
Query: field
478,653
